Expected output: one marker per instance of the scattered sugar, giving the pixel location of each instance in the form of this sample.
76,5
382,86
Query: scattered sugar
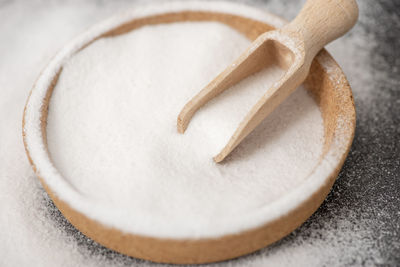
35,233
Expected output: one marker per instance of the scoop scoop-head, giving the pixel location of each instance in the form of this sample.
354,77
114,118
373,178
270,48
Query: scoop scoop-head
291,48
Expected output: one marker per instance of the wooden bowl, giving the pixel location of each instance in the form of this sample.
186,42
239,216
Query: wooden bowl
326,83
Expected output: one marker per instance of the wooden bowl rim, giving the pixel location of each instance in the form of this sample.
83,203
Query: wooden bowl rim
34,137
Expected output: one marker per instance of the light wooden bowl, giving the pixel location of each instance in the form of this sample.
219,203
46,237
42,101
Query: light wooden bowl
326,83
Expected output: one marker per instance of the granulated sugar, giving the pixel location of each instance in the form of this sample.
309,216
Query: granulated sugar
112,130
348,229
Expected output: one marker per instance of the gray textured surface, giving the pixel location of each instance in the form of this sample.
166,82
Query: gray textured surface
366,194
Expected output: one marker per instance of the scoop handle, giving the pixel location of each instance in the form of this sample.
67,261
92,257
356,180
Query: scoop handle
322,21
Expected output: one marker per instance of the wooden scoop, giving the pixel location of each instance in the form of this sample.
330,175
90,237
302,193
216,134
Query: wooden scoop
292,48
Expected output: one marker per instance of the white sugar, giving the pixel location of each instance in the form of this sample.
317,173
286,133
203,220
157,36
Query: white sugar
112,131
35,234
